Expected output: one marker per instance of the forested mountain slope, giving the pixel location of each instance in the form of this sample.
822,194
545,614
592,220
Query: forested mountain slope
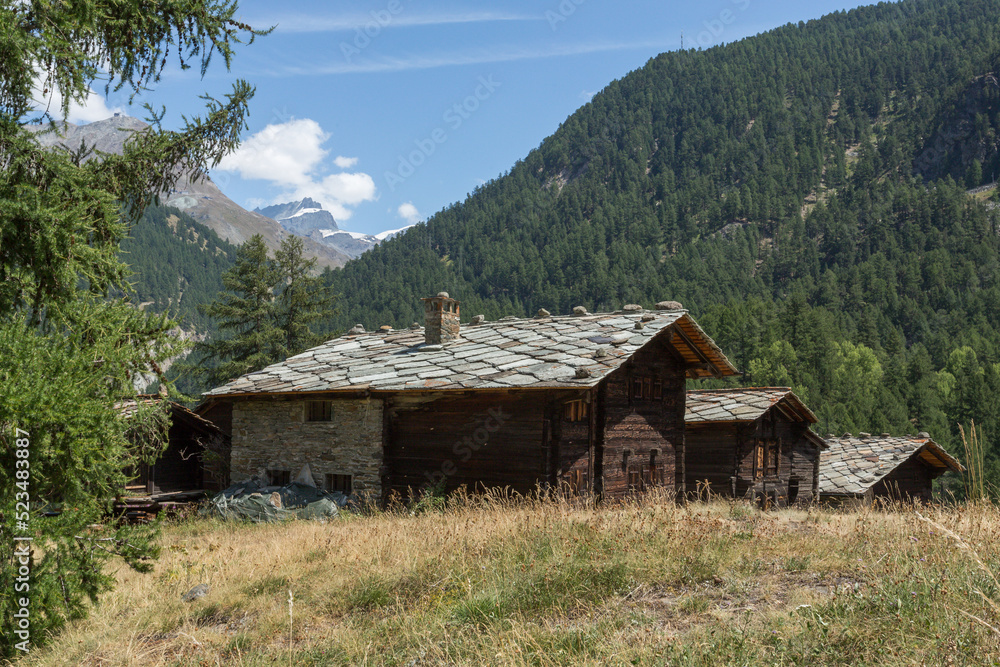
802,192
177,264
200,198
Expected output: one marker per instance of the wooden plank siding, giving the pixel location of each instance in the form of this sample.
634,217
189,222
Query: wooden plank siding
480,441
640,440
182,465
910,481
725,455
177,469
799,461
219,413
572,440
712,458
525,440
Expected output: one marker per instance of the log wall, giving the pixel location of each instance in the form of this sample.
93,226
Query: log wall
725,455
908,482
799,461
712,458
221,414
572,443
640,441
179,467
481,440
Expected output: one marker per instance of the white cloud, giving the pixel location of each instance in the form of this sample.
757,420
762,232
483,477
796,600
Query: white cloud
472,57
409,213
284,153
94,108
291,156
349,23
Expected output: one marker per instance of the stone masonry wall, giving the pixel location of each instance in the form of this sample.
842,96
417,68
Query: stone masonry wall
274,434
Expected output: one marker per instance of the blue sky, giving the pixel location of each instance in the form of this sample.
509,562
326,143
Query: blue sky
388,111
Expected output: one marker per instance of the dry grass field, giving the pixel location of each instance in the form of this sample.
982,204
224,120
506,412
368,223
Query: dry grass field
502,582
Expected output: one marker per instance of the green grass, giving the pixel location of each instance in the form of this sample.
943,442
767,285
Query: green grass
547,583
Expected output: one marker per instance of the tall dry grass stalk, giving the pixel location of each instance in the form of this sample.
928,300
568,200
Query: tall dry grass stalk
553,580
975,486
291,601
963,545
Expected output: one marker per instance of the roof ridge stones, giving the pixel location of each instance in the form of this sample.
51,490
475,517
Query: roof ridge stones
853,464
505,354
737,404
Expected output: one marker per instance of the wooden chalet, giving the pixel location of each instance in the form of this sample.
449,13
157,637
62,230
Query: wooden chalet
753,442
865,467
183,469
590,402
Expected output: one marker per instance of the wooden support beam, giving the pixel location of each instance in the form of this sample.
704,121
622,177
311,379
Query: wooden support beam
709,366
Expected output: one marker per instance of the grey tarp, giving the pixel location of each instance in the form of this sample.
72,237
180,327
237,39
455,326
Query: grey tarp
250,501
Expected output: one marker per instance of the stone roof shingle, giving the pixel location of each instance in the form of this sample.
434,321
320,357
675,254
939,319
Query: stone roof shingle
852,465
565,351
744,404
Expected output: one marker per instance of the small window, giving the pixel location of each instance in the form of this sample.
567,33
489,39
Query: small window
279,477
575,411
655,473
635,481
319,411
341,483
646,389
768,457
773,456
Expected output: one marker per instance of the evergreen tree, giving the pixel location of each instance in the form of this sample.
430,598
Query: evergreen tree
245,316
265,314
302,299
70,350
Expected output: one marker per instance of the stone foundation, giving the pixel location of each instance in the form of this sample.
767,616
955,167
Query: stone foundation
274,435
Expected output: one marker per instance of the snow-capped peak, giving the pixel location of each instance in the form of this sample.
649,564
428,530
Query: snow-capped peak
382,236
301,211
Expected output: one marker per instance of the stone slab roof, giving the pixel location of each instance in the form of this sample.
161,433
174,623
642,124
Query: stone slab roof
541,352
851,465
743,405
130,407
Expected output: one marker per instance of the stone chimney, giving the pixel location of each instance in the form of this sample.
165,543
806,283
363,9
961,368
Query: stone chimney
440,319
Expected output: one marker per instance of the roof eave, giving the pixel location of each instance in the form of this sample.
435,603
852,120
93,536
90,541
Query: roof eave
702,344
948,461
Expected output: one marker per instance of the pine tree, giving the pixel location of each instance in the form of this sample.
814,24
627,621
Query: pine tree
246,316
69,355
303,298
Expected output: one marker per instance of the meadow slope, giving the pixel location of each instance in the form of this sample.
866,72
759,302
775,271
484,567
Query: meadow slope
514,582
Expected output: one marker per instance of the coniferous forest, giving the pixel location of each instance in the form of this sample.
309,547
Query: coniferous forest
804,193
177,264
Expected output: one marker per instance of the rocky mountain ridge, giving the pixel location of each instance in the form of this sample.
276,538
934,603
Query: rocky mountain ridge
307,218
200,199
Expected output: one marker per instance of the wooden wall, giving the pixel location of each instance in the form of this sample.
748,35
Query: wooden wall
711,454
909,481
719,452
180,467
484,439
219,413
640,441
799,461
572,442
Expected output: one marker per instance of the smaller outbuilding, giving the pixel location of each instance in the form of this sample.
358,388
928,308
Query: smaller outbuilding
865,467
194,461
752,442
